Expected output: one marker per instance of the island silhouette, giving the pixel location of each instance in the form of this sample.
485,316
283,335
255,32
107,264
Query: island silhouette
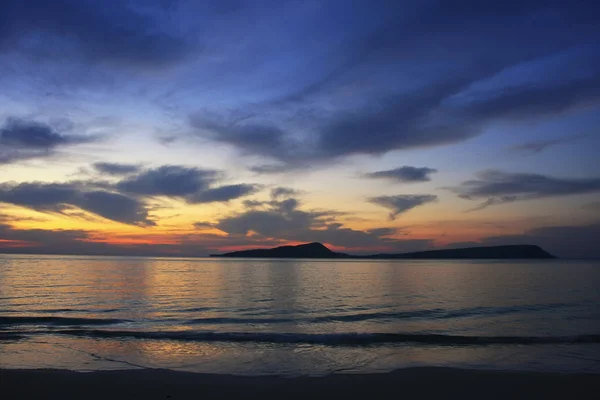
319,250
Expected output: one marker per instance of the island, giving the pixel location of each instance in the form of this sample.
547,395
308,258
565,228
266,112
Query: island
318,250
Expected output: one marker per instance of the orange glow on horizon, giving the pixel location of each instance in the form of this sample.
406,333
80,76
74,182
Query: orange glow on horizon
5,243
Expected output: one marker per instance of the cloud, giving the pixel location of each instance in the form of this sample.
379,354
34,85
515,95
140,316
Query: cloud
11,219
203,225
395,34
561,241
541,145
405,174
194,185
18,132
402,203
283,192
223,193
113,31
251,138
429,116
284,220
116,169
272,169
347,104
169,180
498,187
279,219
538,101
593,206
43,241
433,117
59,197
48,238
116,207
394,123
22,139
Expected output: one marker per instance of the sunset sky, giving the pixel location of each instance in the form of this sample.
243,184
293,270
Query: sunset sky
191,127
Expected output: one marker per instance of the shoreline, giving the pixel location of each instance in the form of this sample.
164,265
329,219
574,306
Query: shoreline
418,382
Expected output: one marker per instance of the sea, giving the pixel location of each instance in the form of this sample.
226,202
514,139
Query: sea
297,317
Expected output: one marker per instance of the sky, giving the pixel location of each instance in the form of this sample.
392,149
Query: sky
185,128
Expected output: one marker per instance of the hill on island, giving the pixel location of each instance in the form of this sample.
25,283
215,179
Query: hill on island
318,250
307,250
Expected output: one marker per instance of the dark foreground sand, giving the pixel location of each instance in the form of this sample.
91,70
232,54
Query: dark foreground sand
413,383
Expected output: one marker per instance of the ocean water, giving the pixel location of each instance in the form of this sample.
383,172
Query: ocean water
297,317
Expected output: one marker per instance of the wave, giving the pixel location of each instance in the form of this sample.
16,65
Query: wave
59,310
436,313
333,339
58,321
266,318
316,319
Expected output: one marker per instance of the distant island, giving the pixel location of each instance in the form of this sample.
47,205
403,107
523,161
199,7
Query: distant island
318,250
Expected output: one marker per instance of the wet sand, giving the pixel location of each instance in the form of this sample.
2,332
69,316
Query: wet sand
421,383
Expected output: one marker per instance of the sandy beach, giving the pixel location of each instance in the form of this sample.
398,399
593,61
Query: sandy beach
422,383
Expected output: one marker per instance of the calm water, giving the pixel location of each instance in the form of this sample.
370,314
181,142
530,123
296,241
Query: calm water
291,317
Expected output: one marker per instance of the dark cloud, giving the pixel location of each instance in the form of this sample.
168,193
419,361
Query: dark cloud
48,197
537,101
405,174
203,225
194,185
59,197
47,238
282,192
115,206
80,242
402,203
272,169
167,140
40,241
18,132
11,219
254,203
498,187
396,122
111,31
438,103
22,139
593,206
561,241
252,138
223,193
116,169
541,145
169,180
285,221
432,30
280,219
429,116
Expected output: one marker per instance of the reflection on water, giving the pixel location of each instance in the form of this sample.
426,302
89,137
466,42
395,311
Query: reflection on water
333,299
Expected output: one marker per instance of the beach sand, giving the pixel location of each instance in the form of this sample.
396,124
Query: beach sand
411,383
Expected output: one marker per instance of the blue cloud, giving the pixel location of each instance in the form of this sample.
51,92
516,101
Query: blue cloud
168,180
404,174
223,193
22,139
402,203
498,187
116,169
58,197
111,31
194,185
